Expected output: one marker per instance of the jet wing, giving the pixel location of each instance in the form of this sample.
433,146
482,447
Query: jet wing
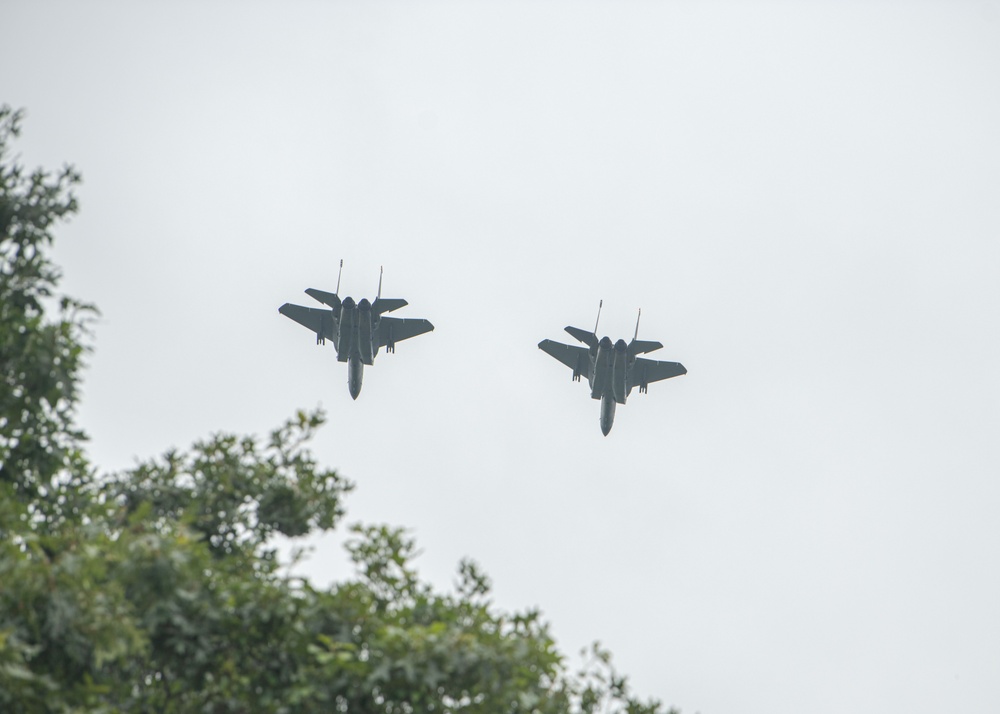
394,329
576,358
645,371
316,319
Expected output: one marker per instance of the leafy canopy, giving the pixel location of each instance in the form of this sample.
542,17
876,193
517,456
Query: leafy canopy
158,589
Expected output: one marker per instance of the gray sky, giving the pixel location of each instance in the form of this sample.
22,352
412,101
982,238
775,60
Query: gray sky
802,197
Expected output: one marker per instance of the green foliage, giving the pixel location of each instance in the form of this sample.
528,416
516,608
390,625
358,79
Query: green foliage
158,589
234,493
40,360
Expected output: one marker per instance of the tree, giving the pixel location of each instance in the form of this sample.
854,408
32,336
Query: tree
159,589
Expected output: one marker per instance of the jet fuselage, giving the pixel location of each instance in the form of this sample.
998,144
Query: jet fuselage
356,339
610,364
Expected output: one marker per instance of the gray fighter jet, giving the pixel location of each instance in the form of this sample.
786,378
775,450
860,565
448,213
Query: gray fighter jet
611,369
358,329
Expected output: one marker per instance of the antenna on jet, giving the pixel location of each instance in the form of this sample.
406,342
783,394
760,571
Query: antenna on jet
379,295
636,336
339,274
599,306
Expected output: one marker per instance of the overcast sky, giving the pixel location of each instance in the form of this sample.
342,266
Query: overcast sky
802,198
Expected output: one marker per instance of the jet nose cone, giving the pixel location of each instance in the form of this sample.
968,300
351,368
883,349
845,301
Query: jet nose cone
355,389
605,342
348,303
605,428
364,304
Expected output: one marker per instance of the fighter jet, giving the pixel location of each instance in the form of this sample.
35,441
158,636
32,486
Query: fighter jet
358,329
611,369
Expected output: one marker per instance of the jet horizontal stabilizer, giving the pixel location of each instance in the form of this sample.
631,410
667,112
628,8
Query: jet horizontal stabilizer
329,299
638,347
383,305
587,338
